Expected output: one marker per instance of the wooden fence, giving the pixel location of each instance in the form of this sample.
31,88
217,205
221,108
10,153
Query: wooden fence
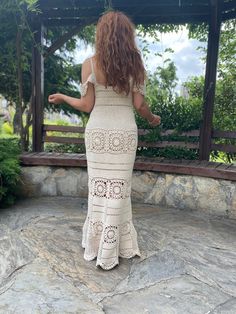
216,134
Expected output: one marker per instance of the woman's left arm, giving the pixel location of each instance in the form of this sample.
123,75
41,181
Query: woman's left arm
86,102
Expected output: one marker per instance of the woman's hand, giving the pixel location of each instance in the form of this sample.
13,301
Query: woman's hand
155,121
56,98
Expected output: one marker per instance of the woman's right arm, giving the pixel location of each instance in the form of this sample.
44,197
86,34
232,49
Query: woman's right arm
87,100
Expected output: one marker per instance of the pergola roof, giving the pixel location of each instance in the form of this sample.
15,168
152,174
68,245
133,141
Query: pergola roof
74,12
84,12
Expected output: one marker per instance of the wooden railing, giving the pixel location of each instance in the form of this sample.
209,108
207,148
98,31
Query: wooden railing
64,129
216,134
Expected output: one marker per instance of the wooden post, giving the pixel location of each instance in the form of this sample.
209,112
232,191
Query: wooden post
37,89
210,80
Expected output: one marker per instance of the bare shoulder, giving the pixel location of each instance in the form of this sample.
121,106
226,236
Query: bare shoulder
86,61
86,69
86,64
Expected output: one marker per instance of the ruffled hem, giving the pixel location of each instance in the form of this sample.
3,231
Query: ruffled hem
91,78
84,86
141,89
93,250
112,265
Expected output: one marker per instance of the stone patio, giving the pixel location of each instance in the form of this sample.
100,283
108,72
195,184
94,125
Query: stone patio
188,262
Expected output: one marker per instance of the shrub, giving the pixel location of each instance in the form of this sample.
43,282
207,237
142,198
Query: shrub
7,128
64,148
9,170
177,114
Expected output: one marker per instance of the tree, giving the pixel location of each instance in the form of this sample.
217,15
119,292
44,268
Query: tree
16,40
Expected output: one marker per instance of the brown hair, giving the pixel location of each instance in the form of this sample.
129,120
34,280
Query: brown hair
117,55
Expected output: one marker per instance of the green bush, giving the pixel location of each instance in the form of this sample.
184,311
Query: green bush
177,113
64,148
9,170
7,128
224,115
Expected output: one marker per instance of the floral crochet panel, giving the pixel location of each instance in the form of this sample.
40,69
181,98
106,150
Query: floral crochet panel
96,228
111,141
109,188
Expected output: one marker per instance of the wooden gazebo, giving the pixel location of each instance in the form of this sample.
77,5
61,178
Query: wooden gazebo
79,13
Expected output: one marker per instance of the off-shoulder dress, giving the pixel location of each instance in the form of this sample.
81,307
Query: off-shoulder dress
111,137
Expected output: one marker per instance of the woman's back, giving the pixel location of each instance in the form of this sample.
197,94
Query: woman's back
112,116
111,109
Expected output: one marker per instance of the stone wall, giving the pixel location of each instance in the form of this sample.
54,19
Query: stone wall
179,191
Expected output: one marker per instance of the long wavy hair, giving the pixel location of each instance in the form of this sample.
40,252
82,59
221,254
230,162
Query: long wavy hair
117,55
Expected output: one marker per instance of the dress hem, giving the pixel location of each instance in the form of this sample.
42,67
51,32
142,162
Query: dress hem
92,257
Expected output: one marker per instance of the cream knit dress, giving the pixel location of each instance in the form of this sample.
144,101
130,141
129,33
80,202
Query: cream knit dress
111,136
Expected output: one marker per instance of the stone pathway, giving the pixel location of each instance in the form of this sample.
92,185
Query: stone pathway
188,262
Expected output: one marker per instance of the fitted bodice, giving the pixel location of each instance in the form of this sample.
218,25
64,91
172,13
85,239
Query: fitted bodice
111,109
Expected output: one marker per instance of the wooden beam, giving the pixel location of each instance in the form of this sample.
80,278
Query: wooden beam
192,170
163,144
72,12
224,134
69,3
228,148
117,3
186,167
79,129
64,140
37,89
146,10
229,15
64,38
192,133
64,128
141,19
76,22
137,19
229,6
210,80
144,143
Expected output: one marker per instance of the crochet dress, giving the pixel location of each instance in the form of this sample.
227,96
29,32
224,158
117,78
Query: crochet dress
111,136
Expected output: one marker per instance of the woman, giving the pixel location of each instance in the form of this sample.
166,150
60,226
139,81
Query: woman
113,84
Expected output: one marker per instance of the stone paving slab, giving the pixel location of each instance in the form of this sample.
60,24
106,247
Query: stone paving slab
188,262
38,289
183,294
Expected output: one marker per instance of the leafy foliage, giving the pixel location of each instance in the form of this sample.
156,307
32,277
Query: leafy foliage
61,72
224,116
185,114
9,170
177,113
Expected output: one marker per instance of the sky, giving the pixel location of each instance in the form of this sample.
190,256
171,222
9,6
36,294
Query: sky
186,56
